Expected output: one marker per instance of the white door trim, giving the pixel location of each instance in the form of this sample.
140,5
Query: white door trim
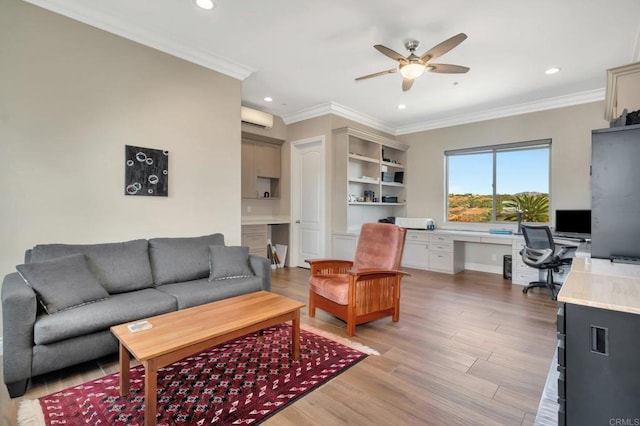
295,199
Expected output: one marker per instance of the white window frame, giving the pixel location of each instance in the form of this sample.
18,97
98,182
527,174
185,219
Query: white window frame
494,149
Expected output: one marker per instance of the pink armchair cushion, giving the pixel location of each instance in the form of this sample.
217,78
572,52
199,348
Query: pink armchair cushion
334,287
379,246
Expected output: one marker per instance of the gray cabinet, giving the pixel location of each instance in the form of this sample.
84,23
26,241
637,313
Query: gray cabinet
255,237
260,169
267,160
599,382
249,180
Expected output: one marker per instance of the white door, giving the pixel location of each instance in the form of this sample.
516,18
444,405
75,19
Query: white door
308,211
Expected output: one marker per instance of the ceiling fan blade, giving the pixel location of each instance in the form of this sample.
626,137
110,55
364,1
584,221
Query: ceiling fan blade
390,53
377,74
443,47
448,69
406,84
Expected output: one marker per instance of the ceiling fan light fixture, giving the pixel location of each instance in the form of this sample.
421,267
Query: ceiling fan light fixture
412,70
205,4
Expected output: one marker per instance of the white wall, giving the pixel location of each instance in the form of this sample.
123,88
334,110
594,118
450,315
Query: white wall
569,129
71,98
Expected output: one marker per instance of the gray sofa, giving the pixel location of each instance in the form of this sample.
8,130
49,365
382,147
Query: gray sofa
58,308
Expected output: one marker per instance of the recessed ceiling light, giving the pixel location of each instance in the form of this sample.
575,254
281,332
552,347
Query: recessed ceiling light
402,106
268,99
552,70
205,4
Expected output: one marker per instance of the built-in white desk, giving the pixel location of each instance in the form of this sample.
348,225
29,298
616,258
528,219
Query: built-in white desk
443,250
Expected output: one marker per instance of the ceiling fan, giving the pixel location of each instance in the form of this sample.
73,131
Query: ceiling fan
412,66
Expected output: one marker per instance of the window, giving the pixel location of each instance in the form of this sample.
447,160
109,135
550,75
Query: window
495,183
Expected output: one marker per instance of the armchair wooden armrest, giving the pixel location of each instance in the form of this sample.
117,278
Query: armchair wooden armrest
329,266
372,271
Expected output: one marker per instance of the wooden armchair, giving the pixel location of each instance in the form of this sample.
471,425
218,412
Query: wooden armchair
367,288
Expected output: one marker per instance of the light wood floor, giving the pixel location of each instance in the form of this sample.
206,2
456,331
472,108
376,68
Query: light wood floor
469,349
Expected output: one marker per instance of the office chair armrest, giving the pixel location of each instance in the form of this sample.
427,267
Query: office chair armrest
536,257
564,250
329,266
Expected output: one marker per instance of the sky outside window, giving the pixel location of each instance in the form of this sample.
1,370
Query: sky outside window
522,171
521,179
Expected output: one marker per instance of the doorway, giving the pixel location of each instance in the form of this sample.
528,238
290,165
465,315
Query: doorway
308,207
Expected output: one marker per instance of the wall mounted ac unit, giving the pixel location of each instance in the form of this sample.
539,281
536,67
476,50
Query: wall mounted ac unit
253,117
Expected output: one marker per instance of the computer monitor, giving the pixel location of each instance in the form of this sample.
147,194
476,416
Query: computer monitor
573,221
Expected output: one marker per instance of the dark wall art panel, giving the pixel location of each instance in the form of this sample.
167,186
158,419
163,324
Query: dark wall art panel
146,171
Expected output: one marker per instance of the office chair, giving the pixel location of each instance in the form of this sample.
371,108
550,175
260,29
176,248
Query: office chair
541,252
367,288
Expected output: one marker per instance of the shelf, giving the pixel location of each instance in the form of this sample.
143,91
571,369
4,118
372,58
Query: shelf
360,180
362,203
363,158
396,184
388,164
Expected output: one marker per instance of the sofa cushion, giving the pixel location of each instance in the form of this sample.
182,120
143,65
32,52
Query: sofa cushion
181,259
86,319
197,292
63,283
229,262
119,267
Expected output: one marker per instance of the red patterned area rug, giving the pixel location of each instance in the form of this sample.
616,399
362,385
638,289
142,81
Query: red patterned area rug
241,382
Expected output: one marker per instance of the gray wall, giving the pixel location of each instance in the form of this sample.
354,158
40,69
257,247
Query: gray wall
71,98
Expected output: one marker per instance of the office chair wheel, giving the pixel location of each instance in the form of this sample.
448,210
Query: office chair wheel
524,290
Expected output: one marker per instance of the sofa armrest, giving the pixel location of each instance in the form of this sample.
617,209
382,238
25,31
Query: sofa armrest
19,308
262,268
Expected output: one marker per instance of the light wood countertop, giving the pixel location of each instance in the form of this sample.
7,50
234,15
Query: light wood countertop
265,220
601,284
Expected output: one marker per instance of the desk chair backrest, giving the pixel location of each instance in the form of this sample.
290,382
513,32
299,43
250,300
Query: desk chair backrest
539,246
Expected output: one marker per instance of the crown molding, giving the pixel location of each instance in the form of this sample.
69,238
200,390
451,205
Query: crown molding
339,110
151,39
518,109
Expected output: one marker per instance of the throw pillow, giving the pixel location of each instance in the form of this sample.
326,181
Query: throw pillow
174,260
229,262
63,283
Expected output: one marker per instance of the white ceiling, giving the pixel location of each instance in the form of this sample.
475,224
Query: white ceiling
306,54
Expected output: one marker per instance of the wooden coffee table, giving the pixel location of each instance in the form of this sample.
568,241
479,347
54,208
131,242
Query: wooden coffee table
179,334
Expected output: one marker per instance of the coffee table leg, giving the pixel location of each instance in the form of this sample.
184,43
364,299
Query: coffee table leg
295,337
150,384
124,370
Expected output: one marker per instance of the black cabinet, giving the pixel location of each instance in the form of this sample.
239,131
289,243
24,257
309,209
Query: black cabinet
599,366
615,192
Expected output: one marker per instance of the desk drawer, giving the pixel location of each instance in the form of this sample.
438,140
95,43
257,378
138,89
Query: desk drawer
254,229
440,261
438,246
441,238
255,237
418,236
